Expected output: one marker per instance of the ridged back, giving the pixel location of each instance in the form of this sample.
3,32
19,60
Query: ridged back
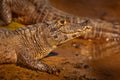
5,33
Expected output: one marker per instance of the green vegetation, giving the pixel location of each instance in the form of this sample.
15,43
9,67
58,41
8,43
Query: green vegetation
13,26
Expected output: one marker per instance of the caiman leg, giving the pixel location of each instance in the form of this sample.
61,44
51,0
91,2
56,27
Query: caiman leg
27,61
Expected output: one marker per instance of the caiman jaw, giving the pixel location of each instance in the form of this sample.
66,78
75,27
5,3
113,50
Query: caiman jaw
74,34
84,30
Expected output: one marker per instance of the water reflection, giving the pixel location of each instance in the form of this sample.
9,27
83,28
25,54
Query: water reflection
97,49
103,49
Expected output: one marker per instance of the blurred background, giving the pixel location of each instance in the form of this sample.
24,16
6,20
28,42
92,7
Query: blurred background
104,9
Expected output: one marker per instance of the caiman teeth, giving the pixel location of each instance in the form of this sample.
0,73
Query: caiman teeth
114,39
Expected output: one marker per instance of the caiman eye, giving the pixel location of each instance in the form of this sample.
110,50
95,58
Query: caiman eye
62,22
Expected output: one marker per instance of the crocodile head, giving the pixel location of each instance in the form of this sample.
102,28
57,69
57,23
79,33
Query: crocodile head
62,30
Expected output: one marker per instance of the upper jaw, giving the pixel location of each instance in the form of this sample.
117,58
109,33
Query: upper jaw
81,30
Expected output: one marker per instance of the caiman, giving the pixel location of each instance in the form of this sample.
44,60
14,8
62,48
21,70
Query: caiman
50,28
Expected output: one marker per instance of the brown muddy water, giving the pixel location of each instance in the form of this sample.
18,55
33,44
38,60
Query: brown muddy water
76,57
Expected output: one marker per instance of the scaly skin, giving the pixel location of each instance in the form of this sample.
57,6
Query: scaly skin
28,11
26,45
40,11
